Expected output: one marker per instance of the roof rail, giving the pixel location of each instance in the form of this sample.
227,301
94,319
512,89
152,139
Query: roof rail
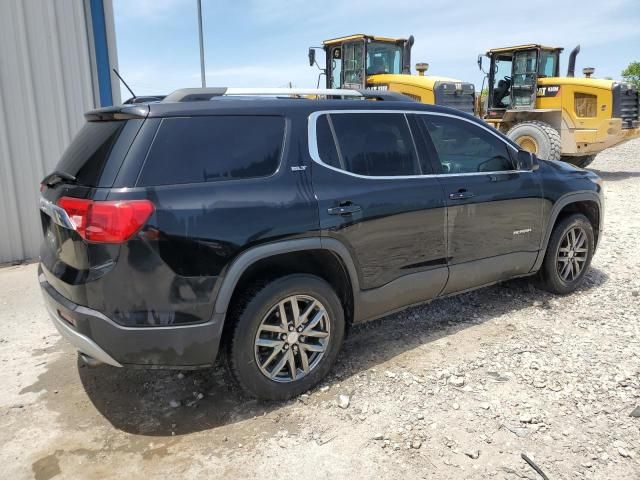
204,94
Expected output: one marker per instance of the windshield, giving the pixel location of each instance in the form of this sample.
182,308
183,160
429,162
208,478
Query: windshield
383,58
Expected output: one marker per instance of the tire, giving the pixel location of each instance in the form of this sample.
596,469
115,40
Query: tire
582,161
251,364
553,268
537,137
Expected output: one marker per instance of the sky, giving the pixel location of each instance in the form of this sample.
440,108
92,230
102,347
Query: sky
263,43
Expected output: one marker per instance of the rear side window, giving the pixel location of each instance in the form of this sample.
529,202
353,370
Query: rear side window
326,144
87,155
371,144
209,149
463,147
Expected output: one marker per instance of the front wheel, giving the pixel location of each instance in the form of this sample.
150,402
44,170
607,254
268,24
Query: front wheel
569,253
287,337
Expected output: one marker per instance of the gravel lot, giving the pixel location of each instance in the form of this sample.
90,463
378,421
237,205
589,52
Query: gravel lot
459,388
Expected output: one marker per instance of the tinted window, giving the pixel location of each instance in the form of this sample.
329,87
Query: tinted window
87,155
326,145
206,149
374,144
463,147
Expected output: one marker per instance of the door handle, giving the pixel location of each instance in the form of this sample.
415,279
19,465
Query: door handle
461,195
345,208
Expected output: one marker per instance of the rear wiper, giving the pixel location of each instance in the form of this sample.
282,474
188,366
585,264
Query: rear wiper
56,177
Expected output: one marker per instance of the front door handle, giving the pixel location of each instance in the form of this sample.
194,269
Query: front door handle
461,195
345,208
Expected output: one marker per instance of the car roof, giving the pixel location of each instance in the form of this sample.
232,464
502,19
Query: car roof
278,105
249,105
261,106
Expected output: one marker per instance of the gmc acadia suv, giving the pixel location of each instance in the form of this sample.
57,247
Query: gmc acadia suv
261,227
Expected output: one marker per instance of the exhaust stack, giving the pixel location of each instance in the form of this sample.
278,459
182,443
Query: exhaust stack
406,56
571,69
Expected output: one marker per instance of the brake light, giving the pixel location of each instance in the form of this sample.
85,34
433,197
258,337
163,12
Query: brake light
106,221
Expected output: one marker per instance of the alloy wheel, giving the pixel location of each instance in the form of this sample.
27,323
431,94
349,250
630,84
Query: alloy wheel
292,338
572,254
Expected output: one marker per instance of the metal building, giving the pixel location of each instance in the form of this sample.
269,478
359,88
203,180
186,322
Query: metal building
55,63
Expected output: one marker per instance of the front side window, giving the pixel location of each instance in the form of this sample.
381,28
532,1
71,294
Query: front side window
383,58
370,144
463,147
215,148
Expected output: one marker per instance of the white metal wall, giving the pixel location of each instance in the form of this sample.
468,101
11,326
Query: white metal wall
46,84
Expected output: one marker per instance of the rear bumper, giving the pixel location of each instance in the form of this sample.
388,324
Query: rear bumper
95,335
82,343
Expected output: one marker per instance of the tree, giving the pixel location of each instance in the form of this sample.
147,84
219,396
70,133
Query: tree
632,73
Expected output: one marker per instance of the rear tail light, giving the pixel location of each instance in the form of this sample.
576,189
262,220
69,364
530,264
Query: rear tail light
106,221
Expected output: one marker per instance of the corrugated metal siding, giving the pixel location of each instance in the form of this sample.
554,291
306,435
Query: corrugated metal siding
46,85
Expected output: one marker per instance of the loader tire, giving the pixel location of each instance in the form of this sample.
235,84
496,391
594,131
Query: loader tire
582,161
537,137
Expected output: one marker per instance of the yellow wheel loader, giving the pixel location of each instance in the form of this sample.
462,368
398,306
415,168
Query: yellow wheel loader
567,118
383,63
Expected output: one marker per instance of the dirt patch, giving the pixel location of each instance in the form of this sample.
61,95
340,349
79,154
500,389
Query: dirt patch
47,467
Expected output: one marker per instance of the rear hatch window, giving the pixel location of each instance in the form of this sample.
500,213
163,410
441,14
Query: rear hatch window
86,157
215,148
91,162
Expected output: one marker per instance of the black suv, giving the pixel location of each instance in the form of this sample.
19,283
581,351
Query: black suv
262,227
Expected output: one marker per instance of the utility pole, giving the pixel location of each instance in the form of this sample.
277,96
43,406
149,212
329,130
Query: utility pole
202,74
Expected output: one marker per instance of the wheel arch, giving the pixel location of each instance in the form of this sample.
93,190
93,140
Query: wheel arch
511,118
587,203
327,258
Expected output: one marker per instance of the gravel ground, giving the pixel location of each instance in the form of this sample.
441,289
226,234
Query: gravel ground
459,388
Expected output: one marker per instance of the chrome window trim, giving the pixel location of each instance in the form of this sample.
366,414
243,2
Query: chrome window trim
315,156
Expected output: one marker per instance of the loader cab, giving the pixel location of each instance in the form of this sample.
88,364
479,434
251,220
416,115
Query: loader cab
513,76
350,60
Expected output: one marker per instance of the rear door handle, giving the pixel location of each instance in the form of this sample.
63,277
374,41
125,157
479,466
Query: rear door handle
461,195
346,209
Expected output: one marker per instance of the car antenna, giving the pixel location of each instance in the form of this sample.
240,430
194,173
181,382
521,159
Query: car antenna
125,83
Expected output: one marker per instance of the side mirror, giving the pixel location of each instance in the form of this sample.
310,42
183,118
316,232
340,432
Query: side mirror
480,58
527,161
312,56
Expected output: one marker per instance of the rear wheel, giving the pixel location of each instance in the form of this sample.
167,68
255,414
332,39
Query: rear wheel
287,337
568,255
537,137
582,161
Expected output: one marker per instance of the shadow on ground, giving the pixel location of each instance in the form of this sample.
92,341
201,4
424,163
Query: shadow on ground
614,176
138,401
